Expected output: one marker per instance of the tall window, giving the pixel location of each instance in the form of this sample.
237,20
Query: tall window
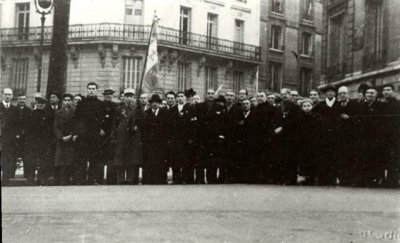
306,44
375,52
308,10
212,24
131,72
22,20
238,81
183,76
239,36
336,46
277,6
275,76
20,74
276,41
184,25
211,78
306,80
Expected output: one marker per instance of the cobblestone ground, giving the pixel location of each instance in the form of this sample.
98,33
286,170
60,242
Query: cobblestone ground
201,213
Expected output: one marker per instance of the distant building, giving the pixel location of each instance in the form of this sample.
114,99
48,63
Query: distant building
361,43
202,44
290,37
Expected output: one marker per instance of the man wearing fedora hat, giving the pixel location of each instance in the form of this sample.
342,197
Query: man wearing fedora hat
155,138
329,109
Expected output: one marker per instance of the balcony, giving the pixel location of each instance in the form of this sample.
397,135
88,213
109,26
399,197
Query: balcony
136,34
335,72
374,60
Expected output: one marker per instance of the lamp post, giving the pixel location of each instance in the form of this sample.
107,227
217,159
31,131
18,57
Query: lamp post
43,7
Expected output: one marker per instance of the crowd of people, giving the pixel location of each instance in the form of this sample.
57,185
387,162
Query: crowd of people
269,138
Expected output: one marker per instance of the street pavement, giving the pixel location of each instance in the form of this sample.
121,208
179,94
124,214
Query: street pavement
199,213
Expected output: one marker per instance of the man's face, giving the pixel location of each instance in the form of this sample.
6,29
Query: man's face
294,94
253,102
370,95
143,99
77,99
67,102
155,105
54,99
21,100
387,92
7,95
285,94
246,105
361,95
306,107
242,94
40,105
129,98
314,96
108,96
343,94
330,94
170,99
229,97
196,99
92,90
261,97
181,98
210,95
271,99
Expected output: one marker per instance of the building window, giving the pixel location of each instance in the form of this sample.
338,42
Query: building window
22,20
211,78
275,76
131,72
184,25
20,74
239,36
306,80
336,47
212,24
277,6
238,81
308,10
276,41
183,76
375,52
306,44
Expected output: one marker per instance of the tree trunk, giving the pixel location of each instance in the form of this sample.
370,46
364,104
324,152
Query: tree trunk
58,52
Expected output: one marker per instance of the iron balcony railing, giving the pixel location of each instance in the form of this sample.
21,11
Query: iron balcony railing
136,34
374,60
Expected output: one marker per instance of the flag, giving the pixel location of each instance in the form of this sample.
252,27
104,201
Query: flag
150,79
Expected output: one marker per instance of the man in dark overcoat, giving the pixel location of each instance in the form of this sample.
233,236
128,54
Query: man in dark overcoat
38,138
181,137
64,130
284,143
329,109
8,136
155,133
89,115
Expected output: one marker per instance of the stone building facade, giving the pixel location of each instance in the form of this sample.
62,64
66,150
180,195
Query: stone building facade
361,43
290,36
201,44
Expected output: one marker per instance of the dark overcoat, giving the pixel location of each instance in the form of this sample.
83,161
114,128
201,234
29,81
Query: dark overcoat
64,125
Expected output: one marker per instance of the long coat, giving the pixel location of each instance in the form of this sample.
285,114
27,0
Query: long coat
64,125
126,136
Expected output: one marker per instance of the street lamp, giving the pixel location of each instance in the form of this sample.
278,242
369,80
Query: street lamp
43,7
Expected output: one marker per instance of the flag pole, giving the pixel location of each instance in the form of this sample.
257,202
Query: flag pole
145,60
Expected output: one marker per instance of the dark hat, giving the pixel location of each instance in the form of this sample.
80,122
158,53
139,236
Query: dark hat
362,88
40,99
329,87
108,91
220,98
155,98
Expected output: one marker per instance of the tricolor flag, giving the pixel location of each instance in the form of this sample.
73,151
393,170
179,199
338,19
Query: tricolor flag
149,81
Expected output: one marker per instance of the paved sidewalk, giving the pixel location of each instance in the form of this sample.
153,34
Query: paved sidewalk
199,213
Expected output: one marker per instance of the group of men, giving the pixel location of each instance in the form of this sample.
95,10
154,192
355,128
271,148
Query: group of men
278,139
